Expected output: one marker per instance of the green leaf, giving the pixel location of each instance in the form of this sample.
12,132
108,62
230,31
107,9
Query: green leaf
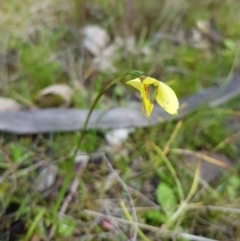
135,73
155,217
166,198
66,226
230,44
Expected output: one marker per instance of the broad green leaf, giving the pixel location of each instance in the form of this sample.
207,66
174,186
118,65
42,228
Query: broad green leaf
166,198
155,217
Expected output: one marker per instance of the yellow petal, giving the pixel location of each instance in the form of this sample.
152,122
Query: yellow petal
147,107
150,81
167,98
136,83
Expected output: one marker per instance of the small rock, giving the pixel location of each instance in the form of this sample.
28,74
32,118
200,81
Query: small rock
95,39
9,104
105,60
117,136
55,96
81,160
128,43
46,178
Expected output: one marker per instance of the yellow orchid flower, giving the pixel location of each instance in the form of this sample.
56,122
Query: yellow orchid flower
165,96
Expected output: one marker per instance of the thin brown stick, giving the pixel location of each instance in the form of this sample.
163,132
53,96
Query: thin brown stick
201,156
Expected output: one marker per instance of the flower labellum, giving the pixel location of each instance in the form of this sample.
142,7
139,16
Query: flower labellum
165,96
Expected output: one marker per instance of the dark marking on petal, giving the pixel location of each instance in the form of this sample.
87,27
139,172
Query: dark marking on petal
143,77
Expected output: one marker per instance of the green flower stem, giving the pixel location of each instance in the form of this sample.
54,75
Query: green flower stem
132,72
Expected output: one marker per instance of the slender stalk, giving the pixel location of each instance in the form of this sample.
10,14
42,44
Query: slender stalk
129,218
184,204
171,169
34,225
132,72
202,157
172,137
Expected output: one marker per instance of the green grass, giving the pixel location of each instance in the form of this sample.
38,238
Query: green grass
39,46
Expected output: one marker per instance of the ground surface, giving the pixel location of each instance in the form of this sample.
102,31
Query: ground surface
173,181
